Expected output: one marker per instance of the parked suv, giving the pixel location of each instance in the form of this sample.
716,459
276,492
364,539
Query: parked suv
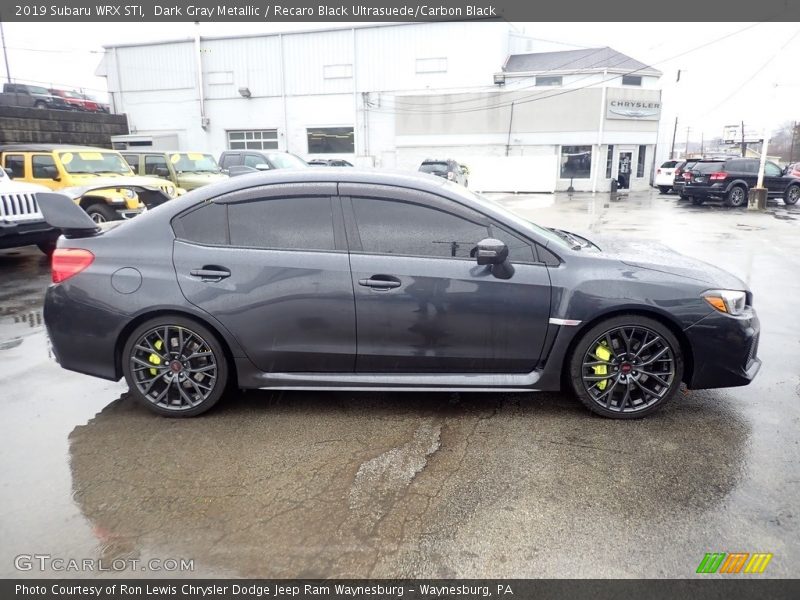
447,168
40,96
73,100
21,221
187,170
238,162
732,179
665,176
58,166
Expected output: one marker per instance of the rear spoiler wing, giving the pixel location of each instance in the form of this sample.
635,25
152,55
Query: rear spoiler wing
62,213
60,210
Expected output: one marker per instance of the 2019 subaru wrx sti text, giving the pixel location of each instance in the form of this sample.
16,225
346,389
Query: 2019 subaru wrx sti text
360,280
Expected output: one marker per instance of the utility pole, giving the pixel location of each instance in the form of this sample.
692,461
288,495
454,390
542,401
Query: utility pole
5,52
510,121
686,152
702,144
674,131
744,144
791,146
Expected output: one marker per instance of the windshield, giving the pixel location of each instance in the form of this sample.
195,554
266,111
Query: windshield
192,162
95,163
433,168
284,160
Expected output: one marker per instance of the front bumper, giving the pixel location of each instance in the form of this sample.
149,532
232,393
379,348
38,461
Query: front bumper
725,350
14,235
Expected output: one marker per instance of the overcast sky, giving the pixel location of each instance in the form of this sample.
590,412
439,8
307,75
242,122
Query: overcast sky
743,71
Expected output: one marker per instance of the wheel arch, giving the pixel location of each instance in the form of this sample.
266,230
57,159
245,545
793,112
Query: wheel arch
87,201
126,331
737,183
664,319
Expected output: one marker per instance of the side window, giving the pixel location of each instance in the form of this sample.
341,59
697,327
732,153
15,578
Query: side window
16,164
205,225
547,257
40,164
152,162
772,170
251,160
133,161
283,224
394,227
519,250
230,160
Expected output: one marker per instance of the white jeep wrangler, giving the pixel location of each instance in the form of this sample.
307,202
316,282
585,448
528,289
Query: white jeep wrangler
21,221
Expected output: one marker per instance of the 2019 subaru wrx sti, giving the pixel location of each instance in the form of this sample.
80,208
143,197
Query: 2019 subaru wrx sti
362,280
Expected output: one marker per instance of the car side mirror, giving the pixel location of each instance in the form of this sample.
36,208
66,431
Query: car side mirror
51,173
262,167
161,172
490,252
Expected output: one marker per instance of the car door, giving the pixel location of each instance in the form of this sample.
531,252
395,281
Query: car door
43,171
271,265
774,180
422,303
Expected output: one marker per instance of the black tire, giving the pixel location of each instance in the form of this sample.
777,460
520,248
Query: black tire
684,198
643,392
736,196
47,247
664,189
791,195
187,389
101,213
697,200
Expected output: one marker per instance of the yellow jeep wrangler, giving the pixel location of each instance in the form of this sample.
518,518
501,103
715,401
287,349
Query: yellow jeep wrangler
59,166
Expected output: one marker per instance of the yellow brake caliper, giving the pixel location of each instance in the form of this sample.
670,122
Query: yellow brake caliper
602,353
154,358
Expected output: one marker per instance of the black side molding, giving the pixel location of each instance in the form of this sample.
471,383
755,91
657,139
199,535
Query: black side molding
62,213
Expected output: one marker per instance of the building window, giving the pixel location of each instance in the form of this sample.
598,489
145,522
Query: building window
609,161
632,80
330,140
337,71
576,162
640,161
262,139
431,65
549,81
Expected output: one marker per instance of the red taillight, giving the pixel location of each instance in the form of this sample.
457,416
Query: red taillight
718,176
658,171
70,261
687,175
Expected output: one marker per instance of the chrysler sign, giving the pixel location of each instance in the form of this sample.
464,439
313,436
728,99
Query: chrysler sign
638,110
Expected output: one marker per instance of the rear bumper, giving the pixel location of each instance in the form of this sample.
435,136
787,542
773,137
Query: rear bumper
705,191
14,235
725,350
82,334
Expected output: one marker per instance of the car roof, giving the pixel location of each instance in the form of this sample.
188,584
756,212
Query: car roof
50,148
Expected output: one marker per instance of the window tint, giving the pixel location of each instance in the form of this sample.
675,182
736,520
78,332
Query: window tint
230,160
16,164
708,167
669,164
39,164
772,170
328,140
205,225
519,250
631,80
393,227
133,161
640,161
576,161
153,162
283,223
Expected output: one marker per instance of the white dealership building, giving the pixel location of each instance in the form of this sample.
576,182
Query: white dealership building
521,115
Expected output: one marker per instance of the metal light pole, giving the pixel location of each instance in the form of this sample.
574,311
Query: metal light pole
5,52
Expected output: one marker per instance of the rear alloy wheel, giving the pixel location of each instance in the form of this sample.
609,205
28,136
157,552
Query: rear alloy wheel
101,213
736,197
626,367
175,366
792,195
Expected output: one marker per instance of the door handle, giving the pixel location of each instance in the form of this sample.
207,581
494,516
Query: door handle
380,282
210,273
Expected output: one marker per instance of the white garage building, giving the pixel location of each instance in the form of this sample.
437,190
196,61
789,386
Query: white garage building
521,116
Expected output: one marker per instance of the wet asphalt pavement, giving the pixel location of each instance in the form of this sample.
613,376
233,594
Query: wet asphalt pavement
301,484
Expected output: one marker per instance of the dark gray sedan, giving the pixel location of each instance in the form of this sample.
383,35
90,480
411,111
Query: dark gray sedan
360,280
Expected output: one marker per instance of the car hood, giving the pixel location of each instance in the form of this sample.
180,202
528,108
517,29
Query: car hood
654,256
190,181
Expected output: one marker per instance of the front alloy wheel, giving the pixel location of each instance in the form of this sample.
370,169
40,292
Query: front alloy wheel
175,367
627,367
792,194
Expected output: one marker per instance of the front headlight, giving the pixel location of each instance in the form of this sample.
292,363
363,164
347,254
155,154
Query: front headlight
732,302
171,191
129,193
